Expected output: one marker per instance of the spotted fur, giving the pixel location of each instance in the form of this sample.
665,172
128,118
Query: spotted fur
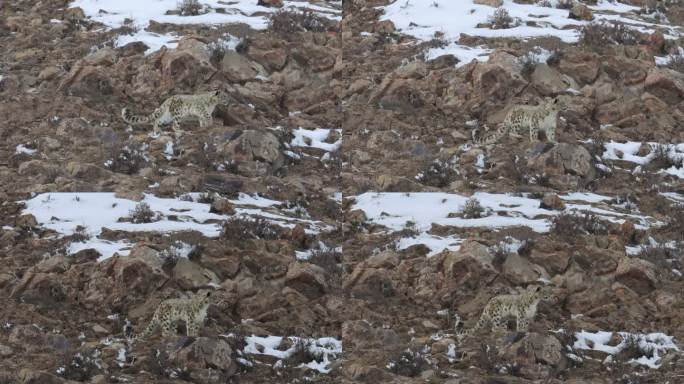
522,306
524,119
192,311
179,107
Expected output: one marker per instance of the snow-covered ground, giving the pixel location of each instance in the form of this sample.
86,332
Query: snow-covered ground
315,139
418,211
629,152
424,19
88,213
327,349
654,345
138,14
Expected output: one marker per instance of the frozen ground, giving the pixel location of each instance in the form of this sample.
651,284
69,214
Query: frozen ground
424,19
88,213
651,345
138,14
325,349
418,211
629,152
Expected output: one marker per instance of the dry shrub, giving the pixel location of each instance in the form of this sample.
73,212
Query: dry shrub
142,214
567,226
408,363
126,158
286,22
599,35
472,209
438,174
245,228
501,19
189,8
676,62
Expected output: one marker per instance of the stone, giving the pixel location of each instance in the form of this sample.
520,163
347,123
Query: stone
471,266
222,206
308,279
271,3
553,202
580,64
565,165
491,3
361,335
637,274
666,84
581,12
206,352
238,68
190,275
520,271
548,81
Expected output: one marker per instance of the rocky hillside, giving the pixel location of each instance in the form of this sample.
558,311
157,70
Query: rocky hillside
340,210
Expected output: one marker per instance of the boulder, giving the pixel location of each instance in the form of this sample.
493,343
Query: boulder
666,84
580,64
187,66
271,3
548,81
238,68
565,165
471,266
308,279
580,11
519,270
491,3
361,335
189,275
637,274
206,352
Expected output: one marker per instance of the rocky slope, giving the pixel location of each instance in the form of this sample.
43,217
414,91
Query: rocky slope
337,206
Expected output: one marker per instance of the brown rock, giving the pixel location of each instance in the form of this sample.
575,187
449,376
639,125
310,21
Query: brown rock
666,84
222,206
360,335
238,68
581,12
308,279
206,352
190,275
637,274
519,270
471,266
491,3
271,3
581,65
565,165
553,202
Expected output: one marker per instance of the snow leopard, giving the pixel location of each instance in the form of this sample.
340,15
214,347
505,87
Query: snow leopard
521,120
178,107
192,311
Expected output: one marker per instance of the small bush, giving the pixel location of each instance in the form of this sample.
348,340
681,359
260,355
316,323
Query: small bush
245,228
662,159
127,159
329,260
189,8
302,354
80,234
545,3
567,226
599,35
501,19
82,366
472,209
142,214
632,350
676,62
565,4
287,22
675,222
664,257
438,174
408,363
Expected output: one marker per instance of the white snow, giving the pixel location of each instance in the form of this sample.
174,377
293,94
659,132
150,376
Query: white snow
628,152
137,15
424,19
316,139
64,212
328,348
657,343
420,210
25,150
436,244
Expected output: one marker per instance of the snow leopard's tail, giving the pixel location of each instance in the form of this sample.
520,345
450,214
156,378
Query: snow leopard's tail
130,118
